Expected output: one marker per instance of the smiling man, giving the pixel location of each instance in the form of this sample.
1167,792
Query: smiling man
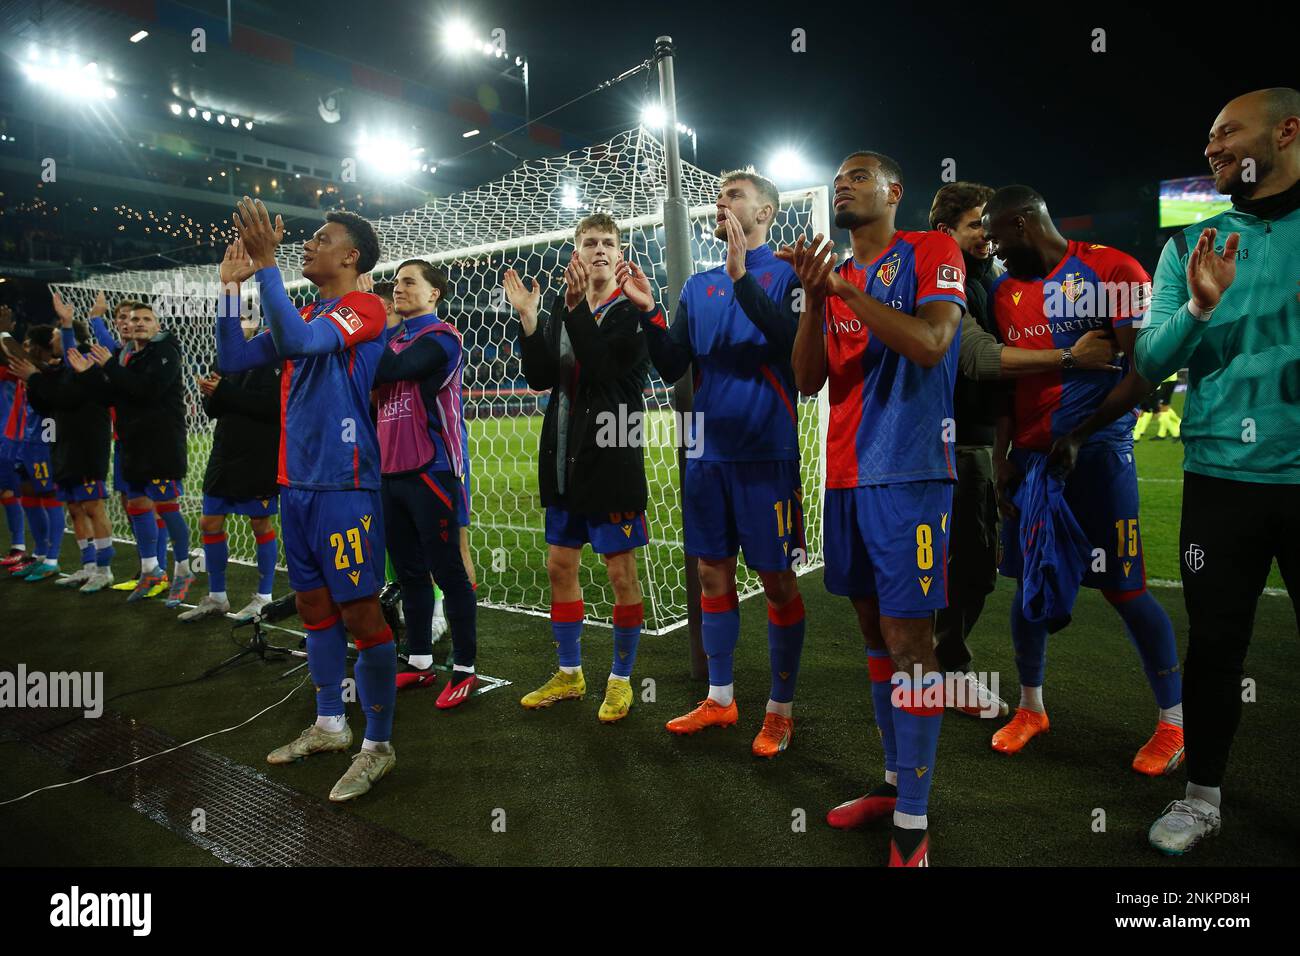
1226,305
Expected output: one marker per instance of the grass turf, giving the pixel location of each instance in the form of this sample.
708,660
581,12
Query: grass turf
576,792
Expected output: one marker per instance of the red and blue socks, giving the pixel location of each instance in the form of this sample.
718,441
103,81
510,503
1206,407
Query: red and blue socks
327,656
376,673
160,543
916,729
216,555
566,627
170,512
266,553
1029,638
880,666
40,525
628,619
719,633
145,528
14,518
785,633
1152,633
55,525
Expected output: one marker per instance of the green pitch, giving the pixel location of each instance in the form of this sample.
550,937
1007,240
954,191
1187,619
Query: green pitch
1183,212
576,792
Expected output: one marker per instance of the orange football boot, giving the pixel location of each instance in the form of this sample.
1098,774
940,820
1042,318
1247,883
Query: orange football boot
1025,725
774,737
708,713
1162,753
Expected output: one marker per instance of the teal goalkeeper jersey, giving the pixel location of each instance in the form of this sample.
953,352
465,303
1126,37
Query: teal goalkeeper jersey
1241,420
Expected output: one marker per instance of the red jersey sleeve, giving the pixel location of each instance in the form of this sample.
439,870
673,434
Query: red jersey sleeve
940,270
1126,290
359,317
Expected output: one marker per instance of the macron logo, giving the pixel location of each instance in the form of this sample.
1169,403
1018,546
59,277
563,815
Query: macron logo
75,909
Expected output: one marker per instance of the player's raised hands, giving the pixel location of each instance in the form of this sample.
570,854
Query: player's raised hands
208,383
576,279
100,355
1209,273
814,263
366,283
260,236
635,285
736,247
62,309
22,367
522,299
78,361
235,265
100,306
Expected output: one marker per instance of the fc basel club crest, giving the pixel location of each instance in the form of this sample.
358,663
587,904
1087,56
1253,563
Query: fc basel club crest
1072,286
888,270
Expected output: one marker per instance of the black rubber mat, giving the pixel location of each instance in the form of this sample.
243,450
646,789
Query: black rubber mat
250,820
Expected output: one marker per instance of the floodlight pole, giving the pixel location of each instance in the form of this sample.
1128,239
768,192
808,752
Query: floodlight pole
677,255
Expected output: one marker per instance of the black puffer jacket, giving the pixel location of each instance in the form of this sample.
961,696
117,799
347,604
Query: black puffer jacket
246,444
612,367
148,392
82,429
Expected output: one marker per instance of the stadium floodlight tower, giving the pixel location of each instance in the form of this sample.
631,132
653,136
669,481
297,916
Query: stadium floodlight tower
677,255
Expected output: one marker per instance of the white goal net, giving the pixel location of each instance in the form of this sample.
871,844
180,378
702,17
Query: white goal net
524,220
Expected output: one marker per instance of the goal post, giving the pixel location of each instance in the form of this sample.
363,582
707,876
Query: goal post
523,220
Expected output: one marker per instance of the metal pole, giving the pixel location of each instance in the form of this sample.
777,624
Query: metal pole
677,256
528,108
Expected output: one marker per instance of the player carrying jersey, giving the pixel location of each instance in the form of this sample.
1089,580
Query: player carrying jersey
1053,292
590,353
741,487
422,455
328,468
883,330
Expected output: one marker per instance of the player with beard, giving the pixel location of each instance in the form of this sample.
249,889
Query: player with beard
735,324
882,330
1225,306
1083,423
331,517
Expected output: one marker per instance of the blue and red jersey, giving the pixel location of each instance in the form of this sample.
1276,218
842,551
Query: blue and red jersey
1093,287
22,423
891,420
327,438
744,384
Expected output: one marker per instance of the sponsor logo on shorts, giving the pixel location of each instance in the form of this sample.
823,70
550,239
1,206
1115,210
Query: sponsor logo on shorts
354,577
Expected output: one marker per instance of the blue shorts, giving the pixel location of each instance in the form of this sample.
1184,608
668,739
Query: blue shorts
890,542
156,489
756,506
334,540
607,534
83,491
34,467
462,501
1102,493
251,507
